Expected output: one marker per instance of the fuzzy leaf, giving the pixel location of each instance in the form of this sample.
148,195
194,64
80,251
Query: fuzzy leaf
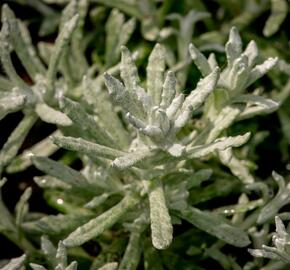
262,253
22,206
49,182
52,116
234,46
15,140
56,225
266,103
35,266
22,43
72,266
198,178
60,46
15,264
252,53
260,70
99,224
132,159
168,90
200,61
204,87
225,118
127,100
132,254
278,14
49,250
109,266
97,201
219,144
216,226
155,70
281,198
60,171
128,70
5,57
86,147
161,226
84,121
61,255
42,148
237,167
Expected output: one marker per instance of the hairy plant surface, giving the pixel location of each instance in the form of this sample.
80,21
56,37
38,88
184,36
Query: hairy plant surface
162,137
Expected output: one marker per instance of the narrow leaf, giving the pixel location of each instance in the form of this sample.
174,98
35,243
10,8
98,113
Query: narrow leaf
49,250
270,210
278,15
260,253
21,208
86,147
252,53
97,201
219,144
61,255
113,24
60,171
55,225
127,100
52,116
260,70
234,46
200,60
204,87
267,103
161,226
15,140
84,121
128,70
225,118
15,264
6,58
168,90
99,224
237,167
175,106
126,31
42,148
35,266
198,177
60,46
132,159
72,266
22,43
216,226
109,266
155,70
132,254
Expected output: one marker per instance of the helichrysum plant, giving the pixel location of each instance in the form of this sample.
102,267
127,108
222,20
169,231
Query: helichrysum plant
155,155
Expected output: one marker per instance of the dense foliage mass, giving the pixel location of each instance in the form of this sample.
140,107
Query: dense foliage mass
144,134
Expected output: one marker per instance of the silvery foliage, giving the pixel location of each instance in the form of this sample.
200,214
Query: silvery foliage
57,258
128,156
229,103
281,241
157,114
39,99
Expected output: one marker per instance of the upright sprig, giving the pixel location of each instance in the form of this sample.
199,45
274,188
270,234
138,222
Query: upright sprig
157,115
281,241
229,103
